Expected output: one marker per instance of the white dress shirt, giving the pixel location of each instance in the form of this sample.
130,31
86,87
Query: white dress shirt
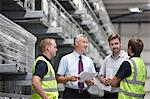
68,66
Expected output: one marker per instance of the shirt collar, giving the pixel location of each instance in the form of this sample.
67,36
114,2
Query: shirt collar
134,56
77,54
121,54
46,58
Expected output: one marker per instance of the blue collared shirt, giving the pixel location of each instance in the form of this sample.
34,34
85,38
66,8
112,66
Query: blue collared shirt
68,66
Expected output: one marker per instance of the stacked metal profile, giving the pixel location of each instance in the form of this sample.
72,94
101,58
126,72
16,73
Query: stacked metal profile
17,53
59,19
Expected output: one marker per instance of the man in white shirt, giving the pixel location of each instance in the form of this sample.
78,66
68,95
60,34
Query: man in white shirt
111,65
68,70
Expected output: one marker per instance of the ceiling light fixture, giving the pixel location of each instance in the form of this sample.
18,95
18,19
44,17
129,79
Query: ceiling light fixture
135,10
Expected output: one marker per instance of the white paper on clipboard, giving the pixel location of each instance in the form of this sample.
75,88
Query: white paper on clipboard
102,86
109,73
86,76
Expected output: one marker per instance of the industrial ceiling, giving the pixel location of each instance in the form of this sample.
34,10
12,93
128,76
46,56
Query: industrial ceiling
118,11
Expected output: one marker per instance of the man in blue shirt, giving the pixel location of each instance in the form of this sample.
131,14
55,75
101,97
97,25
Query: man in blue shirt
43,78
68,69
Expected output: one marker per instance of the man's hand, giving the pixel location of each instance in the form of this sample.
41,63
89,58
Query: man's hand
73,78
36,82
109,81
63,79
105,81
114,82
89,82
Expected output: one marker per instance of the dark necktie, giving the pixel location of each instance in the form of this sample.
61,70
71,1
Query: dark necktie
80,69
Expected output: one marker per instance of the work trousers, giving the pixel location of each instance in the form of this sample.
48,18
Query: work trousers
74,93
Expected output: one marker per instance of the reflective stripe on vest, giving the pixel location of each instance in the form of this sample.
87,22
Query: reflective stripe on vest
46,90
49,83
48,78
132,94
132,82
51,76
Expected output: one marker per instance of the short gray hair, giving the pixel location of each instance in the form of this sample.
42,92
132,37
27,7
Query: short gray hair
77,37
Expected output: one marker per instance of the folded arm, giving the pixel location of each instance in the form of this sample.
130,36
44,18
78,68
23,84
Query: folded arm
63,79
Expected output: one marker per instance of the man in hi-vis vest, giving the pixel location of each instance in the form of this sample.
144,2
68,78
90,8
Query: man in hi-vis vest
132,73
44,84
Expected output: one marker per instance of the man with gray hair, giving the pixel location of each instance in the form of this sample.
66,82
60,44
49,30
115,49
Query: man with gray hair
71,65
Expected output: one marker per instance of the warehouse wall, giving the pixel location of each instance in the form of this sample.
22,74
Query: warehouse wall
126,30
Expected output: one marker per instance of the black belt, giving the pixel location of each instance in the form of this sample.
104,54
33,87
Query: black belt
75,90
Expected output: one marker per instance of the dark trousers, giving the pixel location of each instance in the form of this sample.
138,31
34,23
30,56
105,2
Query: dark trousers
73,93
109,95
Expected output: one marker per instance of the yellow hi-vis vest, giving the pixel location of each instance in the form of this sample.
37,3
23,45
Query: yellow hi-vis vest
49,83
132,87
